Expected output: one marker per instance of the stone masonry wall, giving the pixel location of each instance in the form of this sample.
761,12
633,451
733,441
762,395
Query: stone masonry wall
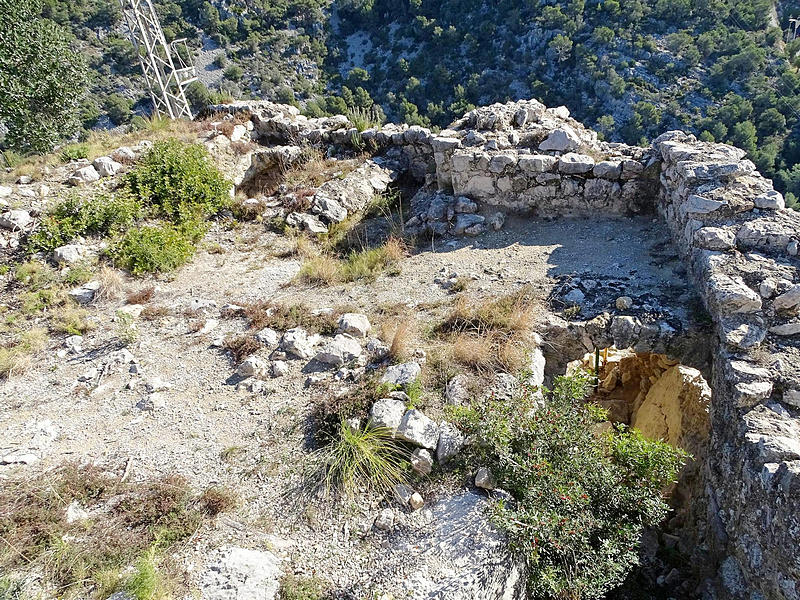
741,246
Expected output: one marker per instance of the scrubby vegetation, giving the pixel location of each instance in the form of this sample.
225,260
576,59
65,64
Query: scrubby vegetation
581,496
356,265
89,556
490,335
362,459
154,221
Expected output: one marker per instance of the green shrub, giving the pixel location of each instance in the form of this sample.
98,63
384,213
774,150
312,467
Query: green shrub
74,152
179,181
153,248
102,215
581,499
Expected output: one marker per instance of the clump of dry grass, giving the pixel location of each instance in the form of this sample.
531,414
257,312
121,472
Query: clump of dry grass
287,316
110,284
16,355
153,313
141,296
506,315
364,265
71,320
242,346
129,522
400,337
218,499
490,335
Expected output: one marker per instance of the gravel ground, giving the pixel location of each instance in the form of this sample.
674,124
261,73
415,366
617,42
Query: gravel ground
256,442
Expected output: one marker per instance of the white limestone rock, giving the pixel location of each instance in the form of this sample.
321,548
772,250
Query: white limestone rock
563,139
242,574
340,350
15,220
418,429
354,324
387,413
106,166
84,175
402,374
299,343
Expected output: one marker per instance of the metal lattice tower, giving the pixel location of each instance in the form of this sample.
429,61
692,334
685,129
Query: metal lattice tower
163,66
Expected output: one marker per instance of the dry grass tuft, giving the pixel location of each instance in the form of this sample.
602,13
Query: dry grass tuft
364,265
218,499
400,342
153,313
242,346
110,284
287,316
17,355
71,320
130,522
491,335
142,296
506,315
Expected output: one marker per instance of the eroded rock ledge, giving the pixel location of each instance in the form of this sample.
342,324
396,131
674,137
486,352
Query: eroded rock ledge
741,247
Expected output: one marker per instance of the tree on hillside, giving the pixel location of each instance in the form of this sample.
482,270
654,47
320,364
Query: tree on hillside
42,79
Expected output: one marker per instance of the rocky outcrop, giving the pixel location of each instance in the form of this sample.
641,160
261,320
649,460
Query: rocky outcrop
462,557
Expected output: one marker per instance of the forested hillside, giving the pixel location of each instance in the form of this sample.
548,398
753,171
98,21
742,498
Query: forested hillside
630,68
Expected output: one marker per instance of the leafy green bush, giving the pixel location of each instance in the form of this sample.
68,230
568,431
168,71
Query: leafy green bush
154,248
581,498
74,152
102,215
179,181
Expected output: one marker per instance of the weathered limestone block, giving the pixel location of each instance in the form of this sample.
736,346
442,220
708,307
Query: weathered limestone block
727,295
575,164
676,410
537,163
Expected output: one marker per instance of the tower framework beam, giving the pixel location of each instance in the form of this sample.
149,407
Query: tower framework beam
165,71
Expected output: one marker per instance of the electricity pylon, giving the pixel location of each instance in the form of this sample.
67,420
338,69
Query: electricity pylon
163,66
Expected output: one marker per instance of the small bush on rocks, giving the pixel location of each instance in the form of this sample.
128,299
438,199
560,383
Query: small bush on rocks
154,248
179,181
102,215
581,499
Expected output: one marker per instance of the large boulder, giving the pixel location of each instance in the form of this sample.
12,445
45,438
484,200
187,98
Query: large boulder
241,574
563,139
418,429
460,555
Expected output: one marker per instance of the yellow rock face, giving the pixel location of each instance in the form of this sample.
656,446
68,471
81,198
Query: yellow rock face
676,409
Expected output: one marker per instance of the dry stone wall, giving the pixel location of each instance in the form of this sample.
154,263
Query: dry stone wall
741,246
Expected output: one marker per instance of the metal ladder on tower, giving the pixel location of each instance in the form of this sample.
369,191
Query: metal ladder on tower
165,70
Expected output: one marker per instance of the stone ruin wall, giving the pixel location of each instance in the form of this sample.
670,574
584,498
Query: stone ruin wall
731,227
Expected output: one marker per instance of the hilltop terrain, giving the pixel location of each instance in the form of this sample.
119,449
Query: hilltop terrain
631,69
